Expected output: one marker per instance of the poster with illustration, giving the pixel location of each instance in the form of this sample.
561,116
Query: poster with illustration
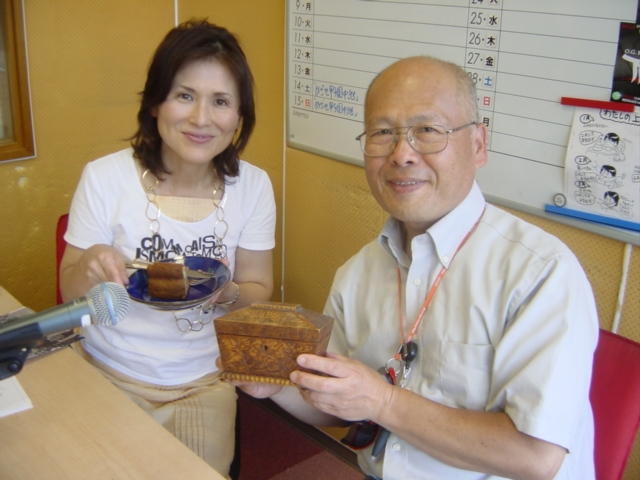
602,167
626,73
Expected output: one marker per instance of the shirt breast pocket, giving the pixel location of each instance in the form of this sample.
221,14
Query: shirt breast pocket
465,374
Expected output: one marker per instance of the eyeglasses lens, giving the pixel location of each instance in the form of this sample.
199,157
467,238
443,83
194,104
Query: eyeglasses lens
423,139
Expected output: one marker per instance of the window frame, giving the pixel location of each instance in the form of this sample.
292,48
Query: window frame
22,144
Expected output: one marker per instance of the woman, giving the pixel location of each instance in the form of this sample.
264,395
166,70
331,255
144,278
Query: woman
180,190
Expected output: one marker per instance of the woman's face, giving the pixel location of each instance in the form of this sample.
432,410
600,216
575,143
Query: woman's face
200,115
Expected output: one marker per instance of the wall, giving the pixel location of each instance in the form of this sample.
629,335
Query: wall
84,77
87,65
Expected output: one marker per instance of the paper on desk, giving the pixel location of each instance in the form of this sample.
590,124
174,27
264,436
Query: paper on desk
13,398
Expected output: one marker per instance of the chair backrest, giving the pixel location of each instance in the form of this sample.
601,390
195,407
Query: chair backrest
615,399
61,229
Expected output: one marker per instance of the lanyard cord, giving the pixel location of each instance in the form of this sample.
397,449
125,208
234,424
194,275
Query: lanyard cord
427,299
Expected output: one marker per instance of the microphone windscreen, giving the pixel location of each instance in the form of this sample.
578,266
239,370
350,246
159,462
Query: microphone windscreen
110,302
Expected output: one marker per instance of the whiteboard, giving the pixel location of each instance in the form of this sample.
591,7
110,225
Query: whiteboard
523,55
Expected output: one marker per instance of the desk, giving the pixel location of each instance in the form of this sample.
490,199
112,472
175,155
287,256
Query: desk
82,427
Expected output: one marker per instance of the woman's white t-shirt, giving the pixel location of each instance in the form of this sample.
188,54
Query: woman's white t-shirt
110,206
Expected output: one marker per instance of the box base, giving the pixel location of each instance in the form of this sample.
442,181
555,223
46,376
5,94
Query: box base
243,377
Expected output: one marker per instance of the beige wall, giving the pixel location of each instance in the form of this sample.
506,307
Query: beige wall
87,65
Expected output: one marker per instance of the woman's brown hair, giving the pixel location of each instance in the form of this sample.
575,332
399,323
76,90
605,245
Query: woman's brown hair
189,42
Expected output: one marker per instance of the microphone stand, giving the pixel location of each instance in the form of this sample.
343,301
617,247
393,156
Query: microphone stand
12,360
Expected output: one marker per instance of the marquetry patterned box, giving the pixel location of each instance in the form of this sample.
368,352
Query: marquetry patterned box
260,343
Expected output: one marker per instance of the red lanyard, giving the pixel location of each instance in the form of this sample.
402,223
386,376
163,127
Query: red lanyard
427,299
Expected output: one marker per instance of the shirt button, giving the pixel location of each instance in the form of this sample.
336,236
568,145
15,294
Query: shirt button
417,282
396,447
445,259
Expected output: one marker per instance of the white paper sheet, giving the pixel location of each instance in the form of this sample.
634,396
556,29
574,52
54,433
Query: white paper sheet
602,166
13,398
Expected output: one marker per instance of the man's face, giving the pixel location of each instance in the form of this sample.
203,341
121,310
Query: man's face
419,189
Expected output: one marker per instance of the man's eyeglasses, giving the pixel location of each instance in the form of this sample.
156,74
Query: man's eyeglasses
422,138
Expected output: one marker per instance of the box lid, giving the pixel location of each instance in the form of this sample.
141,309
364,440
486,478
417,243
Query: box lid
284,321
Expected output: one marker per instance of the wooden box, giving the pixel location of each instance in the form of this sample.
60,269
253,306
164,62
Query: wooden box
260,343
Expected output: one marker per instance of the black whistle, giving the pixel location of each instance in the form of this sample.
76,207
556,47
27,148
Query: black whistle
409,351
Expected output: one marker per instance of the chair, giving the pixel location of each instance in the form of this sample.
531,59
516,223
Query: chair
615,399
61,229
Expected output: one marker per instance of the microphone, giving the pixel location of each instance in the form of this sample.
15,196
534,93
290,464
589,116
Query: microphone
105,304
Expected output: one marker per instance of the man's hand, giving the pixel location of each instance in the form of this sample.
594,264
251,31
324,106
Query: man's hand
346,388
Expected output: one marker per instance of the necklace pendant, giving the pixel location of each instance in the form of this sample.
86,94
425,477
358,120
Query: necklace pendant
220,251
401,367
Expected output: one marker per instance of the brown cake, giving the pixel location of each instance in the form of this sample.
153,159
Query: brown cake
167,280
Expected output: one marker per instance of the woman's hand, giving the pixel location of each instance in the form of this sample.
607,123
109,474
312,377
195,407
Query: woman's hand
80,269
258,390
102,263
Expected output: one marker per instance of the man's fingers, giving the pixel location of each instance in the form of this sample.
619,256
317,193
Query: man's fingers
332,366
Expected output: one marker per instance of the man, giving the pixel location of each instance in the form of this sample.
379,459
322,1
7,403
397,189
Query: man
499,364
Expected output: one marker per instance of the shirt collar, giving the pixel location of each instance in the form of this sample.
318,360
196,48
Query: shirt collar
392,242
449,232
446,234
